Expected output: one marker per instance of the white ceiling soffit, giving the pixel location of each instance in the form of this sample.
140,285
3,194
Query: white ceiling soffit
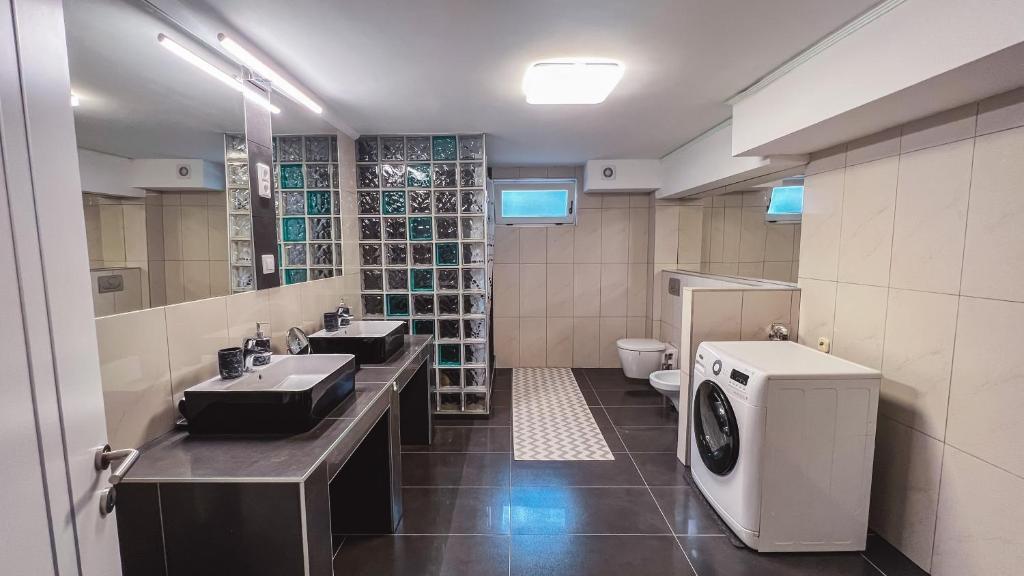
404,66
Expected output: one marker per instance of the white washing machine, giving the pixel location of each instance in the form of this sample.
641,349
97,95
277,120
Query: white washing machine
783,443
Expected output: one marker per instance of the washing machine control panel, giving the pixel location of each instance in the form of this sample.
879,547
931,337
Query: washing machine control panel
740,377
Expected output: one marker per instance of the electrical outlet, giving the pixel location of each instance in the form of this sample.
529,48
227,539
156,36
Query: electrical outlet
824,344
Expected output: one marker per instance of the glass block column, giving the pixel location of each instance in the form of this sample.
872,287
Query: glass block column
423,252
242,273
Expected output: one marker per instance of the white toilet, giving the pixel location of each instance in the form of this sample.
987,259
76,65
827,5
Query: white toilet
667,382
641,356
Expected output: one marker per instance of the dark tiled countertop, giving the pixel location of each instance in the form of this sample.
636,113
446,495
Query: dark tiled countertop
179,457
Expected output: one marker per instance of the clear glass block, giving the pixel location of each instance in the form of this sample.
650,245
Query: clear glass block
318,202
446,254
289,148
367,149
449,378
421,228
448,279
241,226
423,327
397,304
318,176
372,279
473,279
445,148
242,278
446,202
422,280
398,280
323,255
369,229
294,276
448,330
471,175
392,176
373,304
234,147
318,149
295,255
240,199
449,402
472,201
474,304
423,304
448,304
418,176
293,229
369,202
370,255
475,402
291,176
447,227
475,377
471,147
321,273
419,201
336,208
396,254
472,227
320,228
335,177
339,257
368,177
395,229
417,148
394,202
446,176
241,252
294,203
474,353
392,148
475,328
238,175
473,253
449,355
422,254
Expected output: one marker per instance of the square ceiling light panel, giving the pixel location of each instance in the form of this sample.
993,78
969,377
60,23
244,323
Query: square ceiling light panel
571,81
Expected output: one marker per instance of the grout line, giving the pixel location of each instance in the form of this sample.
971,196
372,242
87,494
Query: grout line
873,565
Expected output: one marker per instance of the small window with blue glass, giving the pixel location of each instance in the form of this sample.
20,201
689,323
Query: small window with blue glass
786,205
535,202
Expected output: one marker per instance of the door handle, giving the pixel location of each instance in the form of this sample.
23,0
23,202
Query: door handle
104,457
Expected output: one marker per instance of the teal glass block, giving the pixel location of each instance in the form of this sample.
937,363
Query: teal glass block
422,280
418,175
291,176
421,228
319,202
294,229
447,254
445,148
294,276
397,305
448,355
394,202
422,326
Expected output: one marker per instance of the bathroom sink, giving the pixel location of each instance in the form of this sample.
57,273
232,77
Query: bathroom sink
371,341
290,394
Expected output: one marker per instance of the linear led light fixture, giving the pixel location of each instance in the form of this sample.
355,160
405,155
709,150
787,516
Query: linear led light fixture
277,81
236,84
571,80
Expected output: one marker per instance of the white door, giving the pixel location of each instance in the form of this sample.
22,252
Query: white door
51,403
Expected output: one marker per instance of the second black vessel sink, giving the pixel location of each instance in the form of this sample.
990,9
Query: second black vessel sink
371,341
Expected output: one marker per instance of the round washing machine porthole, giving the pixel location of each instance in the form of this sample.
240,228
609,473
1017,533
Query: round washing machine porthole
714,429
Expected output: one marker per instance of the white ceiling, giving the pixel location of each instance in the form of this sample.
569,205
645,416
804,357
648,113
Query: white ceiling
456,65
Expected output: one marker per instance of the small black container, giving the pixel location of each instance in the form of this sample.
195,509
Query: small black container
331,321
230,363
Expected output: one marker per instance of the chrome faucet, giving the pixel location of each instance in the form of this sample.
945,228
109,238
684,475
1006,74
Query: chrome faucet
256,350
344,314
778,331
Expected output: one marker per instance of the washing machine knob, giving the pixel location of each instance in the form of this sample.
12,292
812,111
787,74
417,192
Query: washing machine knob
716,367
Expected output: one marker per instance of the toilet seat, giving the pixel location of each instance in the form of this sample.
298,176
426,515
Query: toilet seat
641,345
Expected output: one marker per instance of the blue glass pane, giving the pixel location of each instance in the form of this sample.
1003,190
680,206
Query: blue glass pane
534,203
787,200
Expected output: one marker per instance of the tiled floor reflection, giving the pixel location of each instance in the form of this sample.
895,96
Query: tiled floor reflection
470,509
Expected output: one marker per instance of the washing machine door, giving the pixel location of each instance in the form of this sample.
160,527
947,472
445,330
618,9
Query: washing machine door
714,428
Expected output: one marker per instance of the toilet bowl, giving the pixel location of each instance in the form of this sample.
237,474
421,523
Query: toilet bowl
640,356
667,382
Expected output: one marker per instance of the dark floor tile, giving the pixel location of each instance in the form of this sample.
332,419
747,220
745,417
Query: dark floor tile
649,438
890,560
424,556
613,379
611,436
643,416
451,469
687,511
336,541
598,556
618,472
662,469
716,556
467,439
502,379
501,397
590,396
501,415
631,397
565,510
455,511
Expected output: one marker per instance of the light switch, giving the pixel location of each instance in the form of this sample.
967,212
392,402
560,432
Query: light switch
263,179
268,263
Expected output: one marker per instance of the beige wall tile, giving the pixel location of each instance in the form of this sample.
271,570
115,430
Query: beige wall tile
195,332
244,311
560,291
586,290
782,271
612,330
666,234
905,489
195,233
136,377
219,285
860,323
756,198
637,290
317,297
217,219
506,290
195,277
936,130
750,269
752,235
987,394
615,235
135,232
726,268
174,275
980,527
874,147
112,232
1001,112
691,234
585,342
615,200
760,309
93,232
533,290
817,310
731,233
154,231
637,328
867,226
716,316
919,333
157,284
533,344
506,245
637,200
587,237
172,232
778,242
639,234
821,225
931,218
560,241
994,251
559,342
826,160
614,284
716,235
285,304
533,245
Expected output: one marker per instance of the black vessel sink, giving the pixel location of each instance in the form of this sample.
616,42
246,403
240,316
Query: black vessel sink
371,341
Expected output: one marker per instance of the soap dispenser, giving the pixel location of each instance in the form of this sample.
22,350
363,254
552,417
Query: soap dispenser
344,314
257,349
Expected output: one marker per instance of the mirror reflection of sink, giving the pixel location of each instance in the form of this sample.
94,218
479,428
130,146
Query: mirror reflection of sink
371,341
291,394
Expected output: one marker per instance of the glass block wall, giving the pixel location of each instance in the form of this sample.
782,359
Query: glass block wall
423,252
242,273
